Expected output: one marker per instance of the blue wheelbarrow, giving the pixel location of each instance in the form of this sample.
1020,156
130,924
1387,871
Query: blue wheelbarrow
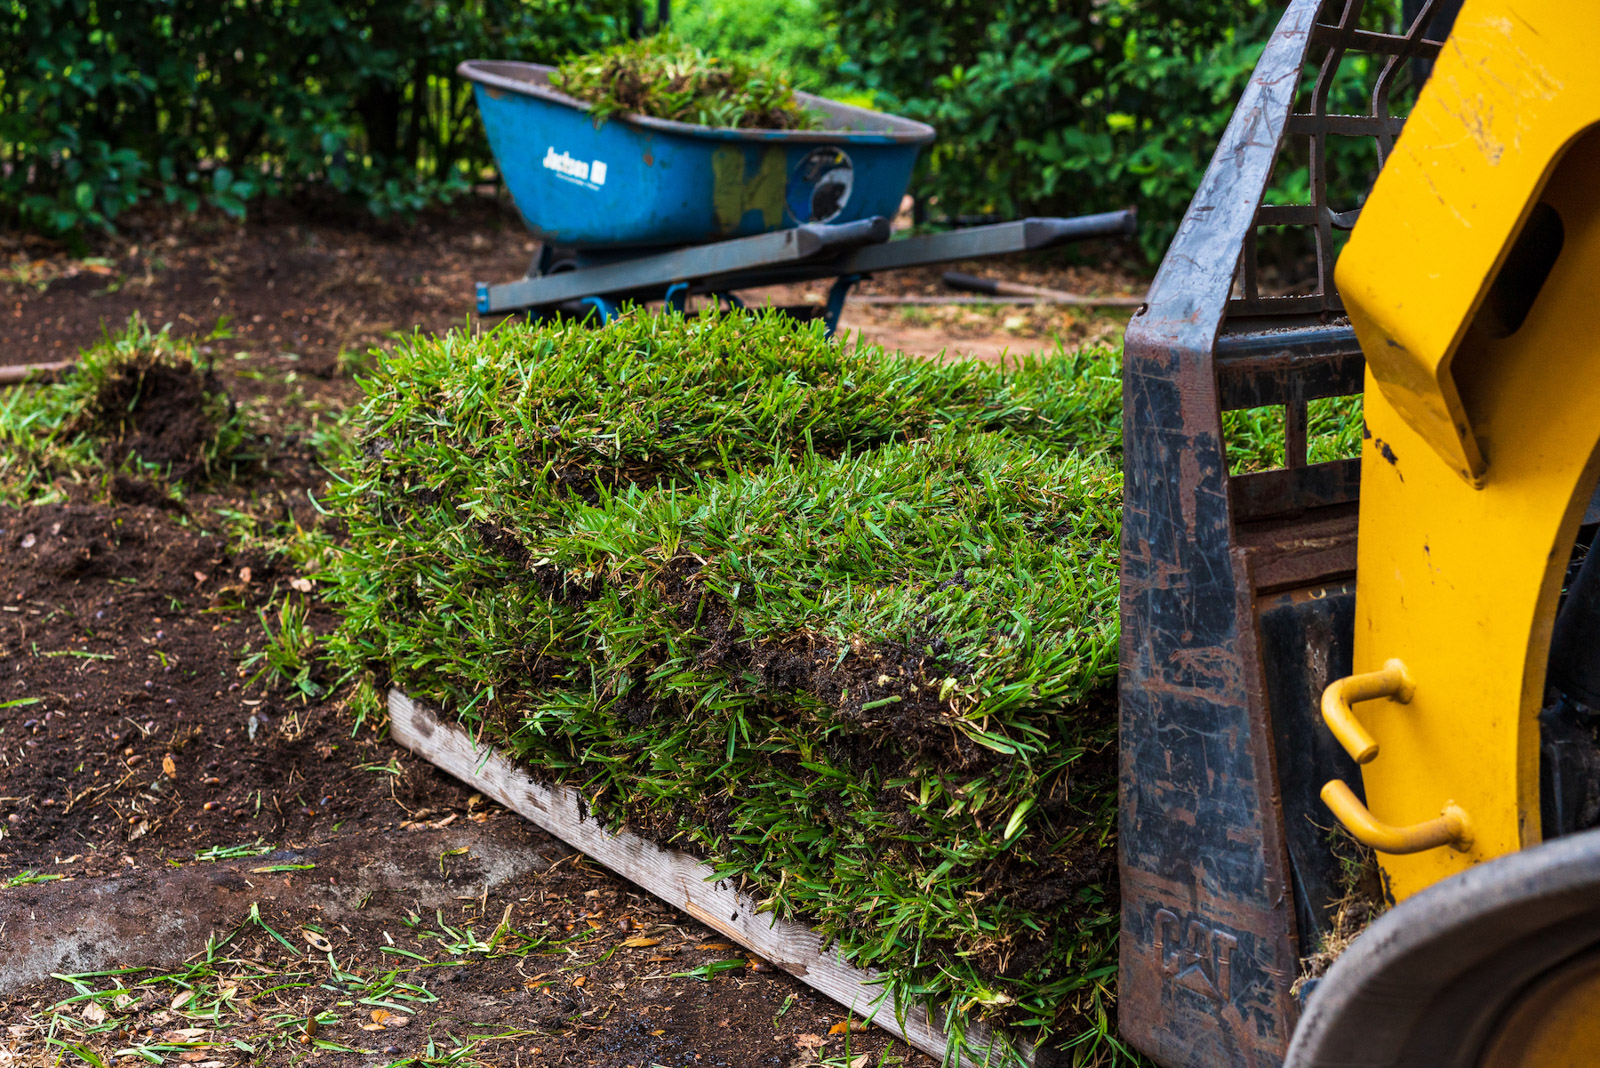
641,208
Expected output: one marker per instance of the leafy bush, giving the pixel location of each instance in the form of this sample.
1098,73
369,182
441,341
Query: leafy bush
665,78
795,33
1079,105
842,622
1041,105
104,104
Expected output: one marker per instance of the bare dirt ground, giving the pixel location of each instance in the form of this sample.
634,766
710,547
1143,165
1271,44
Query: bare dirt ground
199,870
306,288
976,329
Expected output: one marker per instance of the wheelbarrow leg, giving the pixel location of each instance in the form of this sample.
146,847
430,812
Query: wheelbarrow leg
677,297
540,263
836,298
604,307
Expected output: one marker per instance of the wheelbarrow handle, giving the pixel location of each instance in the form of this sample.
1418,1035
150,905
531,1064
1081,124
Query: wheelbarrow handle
1046,233
816,239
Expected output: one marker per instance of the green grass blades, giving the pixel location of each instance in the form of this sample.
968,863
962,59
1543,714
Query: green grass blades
840,621
287,658
666,78
1255,436
659,398
142,402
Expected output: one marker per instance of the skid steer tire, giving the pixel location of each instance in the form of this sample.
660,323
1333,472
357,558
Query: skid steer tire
1496,967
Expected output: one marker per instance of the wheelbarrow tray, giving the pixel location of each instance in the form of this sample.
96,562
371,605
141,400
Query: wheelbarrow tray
636,181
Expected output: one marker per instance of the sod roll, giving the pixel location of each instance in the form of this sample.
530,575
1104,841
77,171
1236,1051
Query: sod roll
841,622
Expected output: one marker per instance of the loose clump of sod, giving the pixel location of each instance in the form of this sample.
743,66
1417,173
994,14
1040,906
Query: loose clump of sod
844,623
141,403
666,78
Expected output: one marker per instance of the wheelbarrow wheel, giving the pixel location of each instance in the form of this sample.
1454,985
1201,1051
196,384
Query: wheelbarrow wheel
551,260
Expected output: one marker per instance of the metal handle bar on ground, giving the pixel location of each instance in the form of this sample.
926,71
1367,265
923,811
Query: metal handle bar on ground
1023,235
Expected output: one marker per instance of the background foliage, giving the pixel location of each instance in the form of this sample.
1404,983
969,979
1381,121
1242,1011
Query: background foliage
1070,106
1060,106
104,103
1042,106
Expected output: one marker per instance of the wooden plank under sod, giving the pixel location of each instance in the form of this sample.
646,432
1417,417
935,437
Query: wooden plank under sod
680,880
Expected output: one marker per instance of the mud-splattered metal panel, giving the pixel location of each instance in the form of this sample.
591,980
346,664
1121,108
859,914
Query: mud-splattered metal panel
1224,638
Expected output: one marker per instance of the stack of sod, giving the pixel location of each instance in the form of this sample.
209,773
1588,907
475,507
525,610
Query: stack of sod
843,623
666,78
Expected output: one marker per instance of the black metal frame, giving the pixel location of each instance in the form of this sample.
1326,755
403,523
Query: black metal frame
1237,590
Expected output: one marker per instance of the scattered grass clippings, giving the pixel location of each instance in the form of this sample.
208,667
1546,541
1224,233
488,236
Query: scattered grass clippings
248,849
1361,901
666,78
840,621
251,992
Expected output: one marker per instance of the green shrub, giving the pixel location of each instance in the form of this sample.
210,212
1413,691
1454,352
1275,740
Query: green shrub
1041,105
842,622
665,78
1071,106
796,34
105,104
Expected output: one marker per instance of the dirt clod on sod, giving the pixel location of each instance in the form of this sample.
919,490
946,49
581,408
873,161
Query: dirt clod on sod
841,622
162,410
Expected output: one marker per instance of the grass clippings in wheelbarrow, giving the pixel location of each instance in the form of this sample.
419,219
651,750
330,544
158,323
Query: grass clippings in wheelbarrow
841,622
666,78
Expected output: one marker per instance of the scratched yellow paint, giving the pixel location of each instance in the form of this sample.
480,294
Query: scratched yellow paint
1516,84
735,191
1484,443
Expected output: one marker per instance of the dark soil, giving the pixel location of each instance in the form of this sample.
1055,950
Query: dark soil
583,997
163,413
142,748
290,284
907,720
130,740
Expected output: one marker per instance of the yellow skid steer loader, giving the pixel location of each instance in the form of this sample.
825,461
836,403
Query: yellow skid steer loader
1401,647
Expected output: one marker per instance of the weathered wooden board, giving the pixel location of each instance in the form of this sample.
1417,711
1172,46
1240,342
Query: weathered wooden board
17,373
681,881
